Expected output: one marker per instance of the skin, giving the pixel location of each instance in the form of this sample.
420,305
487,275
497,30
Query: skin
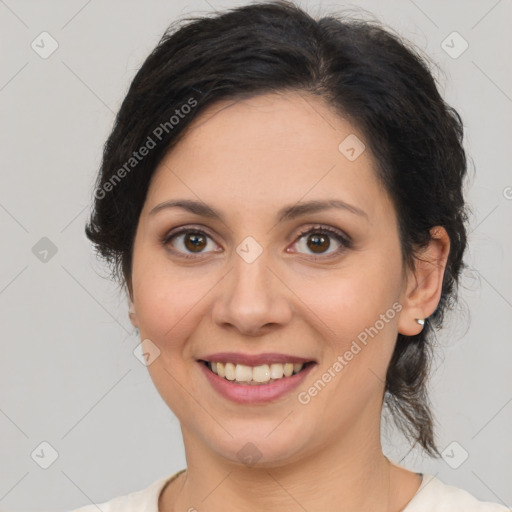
247,159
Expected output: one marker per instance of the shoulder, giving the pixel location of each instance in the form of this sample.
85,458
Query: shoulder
145,500
436,496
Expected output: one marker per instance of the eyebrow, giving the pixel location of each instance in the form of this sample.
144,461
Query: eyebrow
286,213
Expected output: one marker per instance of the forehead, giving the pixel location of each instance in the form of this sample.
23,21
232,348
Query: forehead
266,151
244,124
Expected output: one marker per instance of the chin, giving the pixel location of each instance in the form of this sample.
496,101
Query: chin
261,446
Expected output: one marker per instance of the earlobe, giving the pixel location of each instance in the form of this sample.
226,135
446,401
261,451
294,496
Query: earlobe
424,284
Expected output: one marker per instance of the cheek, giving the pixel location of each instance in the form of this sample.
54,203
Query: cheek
169,301
162,309
356,313
348,304
168,307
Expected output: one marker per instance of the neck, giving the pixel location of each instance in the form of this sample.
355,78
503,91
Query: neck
350,476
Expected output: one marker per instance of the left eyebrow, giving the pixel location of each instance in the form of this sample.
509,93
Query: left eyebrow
286,213
296,210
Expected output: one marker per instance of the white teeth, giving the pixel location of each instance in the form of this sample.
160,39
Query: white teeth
243,373
261,374
229,369
288,369
276,371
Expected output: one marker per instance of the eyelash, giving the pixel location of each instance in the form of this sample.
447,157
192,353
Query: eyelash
319,229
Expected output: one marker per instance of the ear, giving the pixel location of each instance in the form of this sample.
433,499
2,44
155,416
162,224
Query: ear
131,311
423,286
133,315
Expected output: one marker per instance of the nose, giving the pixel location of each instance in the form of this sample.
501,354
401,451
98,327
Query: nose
252,300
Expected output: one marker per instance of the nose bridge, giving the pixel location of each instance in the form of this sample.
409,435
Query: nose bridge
251,279
252,297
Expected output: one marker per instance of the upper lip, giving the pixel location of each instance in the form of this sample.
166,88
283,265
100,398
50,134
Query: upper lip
253,359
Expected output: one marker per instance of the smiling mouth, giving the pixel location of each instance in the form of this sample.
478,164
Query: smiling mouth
255,375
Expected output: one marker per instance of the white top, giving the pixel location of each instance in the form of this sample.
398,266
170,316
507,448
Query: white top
432,496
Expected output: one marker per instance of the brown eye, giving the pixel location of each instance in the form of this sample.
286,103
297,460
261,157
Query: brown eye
188,242
318,243
194,241
318,240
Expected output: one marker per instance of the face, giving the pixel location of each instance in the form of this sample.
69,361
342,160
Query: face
269,282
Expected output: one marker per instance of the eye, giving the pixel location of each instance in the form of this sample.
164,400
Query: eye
318,240
188,240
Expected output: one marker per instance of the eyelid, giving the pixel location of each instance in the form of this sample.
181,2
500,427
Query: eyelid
178,230
324,228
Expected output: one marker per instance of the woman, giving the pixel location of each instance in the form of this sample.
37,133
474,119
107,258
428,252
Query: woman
282,199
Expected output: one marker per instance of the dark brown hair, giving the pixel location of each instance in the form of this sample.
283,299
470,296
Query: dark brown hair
368,75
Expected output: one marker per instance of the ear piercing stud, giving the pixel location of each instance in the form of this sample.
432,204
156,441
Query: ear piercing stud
420,321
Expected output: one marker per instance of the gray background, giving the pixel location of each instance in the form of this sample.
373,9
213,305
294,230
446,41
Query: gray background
68,375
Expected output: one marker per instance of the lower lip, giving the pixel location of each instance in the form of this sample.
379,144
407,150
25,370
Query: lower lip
254,394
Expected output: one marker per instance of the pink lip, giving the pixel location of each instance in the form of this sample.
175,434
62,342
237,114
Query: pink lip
246,394
253,360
